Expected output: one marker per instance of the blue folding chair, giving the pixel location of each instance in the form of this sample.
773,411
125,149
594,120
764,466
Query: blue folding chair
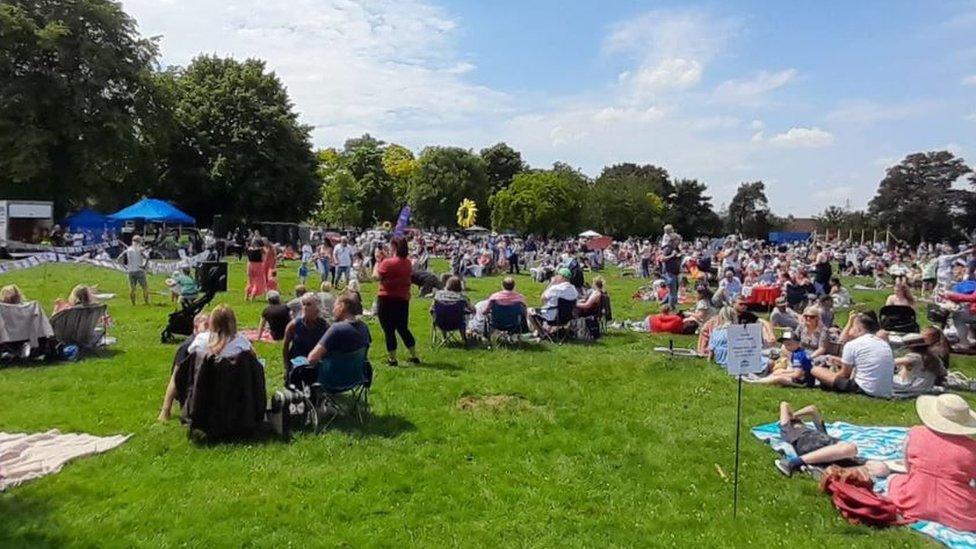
505,323
341,373
448,319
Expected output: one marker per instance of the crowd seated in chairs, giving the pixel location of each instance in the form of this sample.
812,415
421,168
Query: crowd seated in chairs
337,365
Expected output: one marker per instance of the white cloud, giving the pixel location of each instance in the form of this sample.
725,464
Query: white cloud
671,49
869,112
971,117
674,73
885,162
349,65
970,80
803,138
750,90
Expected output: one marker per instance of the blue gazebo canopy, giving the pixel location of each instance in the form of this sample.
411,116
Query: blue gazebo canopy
88,219
153,210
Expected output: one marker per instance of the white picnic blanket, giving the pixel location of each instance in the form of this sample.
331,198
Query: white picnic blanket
26,456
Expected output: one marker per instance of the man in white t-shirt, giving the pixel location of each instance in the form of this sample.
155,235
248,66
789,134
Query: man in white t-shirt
867,365
134,259
343,261
560,288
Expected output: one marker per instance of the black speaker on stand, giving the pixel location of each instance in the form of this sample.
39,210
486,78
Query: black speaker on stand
212,276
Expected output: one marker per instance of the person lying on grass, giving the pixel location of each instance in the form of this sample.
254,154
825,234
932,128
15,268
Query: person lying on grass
813,446
668,322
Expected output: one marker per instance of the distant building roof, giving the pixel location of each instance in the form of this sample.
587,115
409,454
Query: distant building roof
801,225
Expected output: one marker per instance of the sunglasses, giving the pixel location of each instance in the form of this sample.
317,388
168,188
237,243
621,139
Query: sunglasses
809,316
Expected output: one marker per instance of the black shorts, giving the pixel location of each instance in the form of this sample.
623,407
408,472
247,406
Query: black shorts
846,385
804,439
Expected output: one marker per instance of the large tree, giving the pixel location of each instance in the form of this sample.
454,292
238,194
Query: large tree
748,213
363,157
916,201
339,203
77,102
624,205
446,176
539,202
502,163
690,211
243,152
655,177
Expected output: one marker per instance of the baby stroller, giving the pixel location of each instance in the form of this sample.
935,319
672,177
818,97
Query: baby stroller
212,278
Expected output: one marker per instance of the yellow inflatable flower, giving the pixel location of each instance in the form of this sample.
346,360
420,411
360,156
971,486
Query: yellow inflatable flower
467,213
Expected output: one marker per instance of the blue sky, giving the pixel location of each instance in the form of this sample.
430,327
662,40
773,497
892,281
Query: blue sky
814,98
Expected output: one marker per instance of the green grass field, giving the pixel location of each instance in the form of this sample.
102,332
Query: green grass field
605,444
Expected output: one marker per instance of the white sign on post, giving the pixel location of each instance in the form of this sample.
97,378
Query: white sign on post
745,349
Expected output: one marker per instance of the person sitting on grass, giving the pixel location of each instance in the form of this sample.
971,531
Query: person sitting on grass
826,306
347,333
352,290
718,340
303,332
813,446
668,322
782,316
326,299
867,365
902,296
840,294
560,288
275,317
201,324
814,336
295,304
703,310
452,293
799,365
919,369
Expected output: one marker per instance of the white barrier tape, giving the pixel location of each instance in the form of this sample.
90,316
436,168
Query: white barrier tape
152,267
14,245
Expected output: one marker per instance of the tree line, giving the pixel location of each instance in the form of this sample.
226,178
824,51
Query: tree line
89,118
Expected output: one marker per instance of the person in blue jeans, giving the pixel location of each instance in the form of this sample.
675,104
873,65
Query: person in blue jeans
670,272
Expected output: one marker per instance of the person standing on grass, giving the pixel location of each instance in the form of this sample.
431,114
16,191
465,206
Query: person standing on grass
256,275
343,261
134,259
393,298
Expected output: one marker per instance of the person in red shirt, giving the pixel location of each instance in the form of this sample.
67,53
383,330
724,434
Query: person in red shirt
393,298
669,322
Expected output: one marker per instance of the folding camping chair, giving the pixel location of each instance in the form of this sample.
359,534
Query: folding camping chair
447,320
81,326
561,327
341,373
505,323
898,318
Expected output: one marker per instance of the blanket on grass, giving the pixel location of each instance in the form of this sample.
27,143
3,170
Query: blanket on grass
877,443
26,456
252,335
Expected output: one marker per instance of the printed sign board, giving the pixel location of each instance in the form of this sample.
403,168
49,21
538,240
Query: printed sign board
745,349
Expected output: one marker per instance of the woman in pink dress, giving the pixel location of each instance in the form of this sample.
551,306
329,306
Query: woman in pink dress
270,265
941,461
256,273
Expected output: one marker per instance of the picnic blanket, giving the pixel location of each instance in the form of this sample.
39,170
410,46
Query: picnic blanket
25,456
877,443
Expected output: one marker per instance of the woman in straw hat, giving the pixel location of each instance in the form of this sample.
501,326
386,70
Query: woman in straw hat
941,461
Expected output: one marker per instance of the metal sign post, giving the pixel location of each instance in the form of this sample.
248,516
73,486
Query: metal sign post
745,357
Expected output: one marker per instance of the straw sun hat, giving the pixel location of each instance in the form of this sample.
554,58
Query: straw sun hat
948,414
